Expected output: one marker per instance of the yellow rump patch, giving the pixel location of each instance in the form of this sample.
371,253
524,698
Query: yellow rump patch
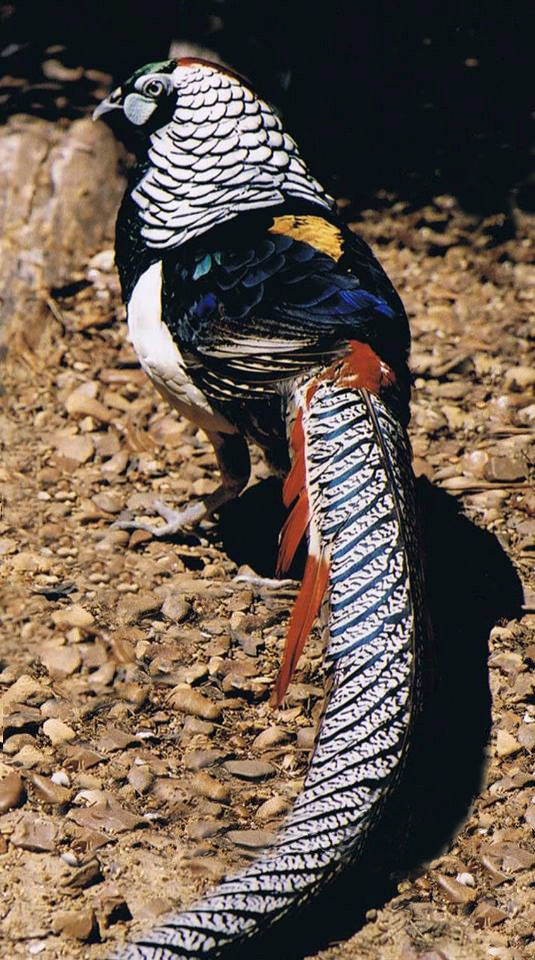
316,231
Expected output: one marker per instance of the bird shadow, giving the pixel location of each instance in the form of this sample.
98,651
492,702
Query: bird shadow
470,586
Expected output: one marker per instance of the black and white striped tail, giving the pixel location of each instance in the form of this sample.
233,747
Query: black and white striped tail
360,488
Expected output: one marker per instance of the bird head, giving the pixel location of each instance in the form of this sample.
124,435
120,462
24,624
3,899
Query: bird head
142,103
208,149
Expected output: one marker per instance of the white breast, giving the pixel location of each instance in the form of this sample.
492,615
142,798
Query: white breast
160,357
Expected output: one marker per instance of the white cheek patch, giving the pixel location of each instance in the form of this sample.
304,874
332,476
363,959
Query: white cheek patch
138,109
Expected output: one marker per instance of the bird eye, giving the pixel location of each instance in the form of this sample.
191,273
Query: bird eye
153,88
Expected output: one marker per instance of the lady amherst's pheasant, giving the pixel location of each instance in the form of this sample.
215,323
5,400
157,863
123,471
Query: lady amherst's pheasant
261,318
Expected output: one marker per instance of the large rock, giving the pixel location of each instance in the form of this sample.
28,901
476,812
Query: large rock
58,204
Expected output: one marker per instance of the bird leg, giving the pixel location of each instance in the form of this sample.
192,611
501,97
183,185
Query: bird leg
232,454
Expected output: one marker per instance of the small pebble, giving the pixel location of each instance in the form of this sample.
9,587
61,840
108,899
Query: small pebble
249,769
61,661
12,792
73,616
140,778
57,731
49,792
203,829
506,744
199,759
175,609
270,738
252,839
190,701
456,892
272,808
76,924
203,785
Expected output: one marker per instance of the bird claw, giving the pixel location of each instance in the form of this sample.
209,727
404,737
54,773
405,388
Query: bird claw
177,521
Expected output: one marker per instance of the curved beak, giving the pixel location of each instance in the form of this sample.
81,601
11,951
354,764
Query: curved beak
113,102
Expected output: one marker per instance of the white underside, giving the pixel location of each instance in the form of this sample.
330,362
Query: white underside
160,357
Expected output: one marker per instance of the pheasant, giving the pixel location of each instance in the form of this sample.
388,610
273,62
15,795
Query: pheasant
263,319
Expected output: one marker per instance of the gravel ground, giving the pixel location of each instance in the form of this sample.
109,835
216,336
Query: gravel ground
141,757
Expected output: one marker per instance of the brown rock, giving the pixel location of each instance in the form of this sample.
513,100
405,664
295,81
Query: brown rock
73,616
506,744
505,469
526,735
519,378
12,744
134,607
487,914
108,502
192,702
272,808
250,769
79,448
50,792
511,856
57,731
32,833
115,739
306,737
24,690
28,756
80,403
203,785
75,924
84,876
456,892
176,609
12,792
252,839
61,661
203,829
199,759
140,778
270,738
106,816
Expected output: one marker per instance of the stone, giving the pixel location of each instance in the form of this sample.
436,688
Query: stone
506,744
49,792
79,448
12,792
519,378
23,690
249,769
75,924
192,702
33,833
29,756
133,608
57,731
61,661
270,737
199,759
203,785
73,616
176,609
272,808
204,829
140,778
456,892
251,839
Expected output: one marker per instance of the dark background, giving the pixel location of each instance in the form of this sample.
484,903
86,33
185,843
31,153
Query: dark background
413,97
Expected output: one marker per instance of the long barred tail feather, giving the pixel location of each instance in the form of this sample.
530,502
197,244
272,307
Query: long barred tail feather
352,467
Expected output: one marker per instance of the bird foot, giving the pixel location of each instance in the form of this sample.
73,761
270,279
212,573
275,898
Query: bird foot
177,521
264,583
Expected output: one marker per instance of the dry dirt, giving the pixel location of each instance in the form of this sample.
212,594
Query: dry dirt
141,757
